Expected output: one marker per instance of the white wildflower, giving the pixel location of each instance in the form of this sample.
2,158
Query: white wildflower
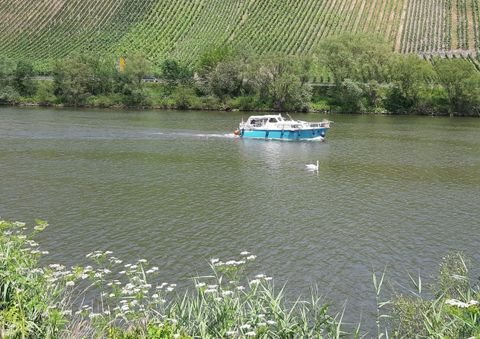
230,333
227,293
245,253
260,276
70,283
250,334
254,282
210,290
214,260
142,261
251,257
245,327
200,285
271,322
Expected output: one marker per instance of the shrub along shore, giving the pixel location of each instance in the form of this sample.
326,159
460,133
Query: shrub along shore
348,73
45,301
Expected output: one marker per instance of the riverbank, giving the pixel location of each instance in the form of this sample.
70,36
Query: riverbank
209,104
132,301
368,77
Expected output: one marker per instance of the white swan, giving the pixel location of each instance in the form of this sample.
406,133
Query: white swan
312,167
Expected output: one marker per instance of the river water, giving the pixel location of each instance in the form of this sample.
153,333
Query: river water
392,192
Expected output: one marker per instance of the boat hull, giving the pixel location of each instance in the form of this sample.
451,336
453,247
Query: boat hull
301,134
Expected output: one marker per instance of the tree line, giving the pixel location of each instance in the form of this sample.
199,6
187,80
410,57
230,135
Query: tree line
348,73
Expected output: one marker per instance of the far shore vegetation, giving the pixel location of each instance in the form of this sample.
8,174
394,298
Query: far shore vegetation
112,298
348,73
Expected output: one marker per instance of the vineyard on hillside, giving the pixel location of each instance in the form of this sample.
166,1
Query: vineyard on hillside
42,30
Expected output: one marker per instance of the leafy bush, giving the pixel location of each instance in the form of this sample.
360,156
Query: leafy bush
32,299
8,95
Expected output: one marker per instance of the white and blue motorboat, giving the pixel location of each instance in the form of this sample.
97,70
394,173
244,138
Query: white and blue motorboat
276,127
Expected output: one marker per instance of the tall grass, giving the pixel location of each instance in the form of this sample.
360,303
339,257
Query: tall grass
32,298
450,308
132,301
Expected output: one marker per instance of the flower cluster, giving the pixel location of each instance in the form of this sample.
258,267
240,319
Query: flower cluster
461,304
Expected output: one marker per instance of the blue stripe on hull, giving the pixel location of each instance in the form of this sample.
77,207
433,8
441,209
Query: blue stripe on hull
285,135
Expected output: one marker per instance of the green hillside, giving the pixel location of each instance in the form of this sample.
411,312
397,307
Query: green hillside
40,30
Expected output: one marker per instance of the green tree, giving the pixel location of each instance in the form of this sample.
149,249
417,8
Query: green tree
7,67
72,80
225,80
277,80
212,56
22,79
350,97
359,57
175,73
8,95
410,76
461,82
130,82
104,72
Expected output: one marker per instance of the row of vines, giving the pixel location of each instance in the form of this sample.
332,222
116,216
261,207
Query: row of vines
183,29
440,27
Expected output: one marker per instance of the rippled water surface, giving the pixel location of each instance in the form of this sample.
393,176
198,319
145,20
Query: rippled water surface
177,188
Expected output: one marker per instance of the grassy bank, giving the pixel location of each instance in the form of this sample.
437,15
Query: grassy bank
132,301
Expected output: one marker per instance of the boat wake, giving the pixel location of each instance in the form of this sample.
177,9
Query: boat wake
197,135
319,138
227,135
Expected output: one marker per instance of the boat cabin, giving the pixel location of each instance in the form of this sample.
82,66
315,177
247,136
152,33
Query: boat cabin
262,120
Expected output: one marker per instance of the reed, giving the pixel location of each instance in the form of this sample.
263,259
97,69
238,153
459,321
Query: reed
132,302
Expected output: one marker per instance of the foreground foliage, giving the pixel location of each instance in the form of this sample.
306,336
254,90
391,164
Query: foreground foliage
46,301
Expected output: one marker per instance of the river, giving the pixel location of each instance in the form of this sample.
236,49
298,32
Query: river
392,192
